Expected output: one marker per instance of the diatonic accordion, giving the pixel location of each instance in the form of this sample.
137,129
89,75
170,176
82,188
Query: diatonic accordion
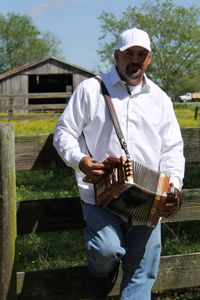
137,198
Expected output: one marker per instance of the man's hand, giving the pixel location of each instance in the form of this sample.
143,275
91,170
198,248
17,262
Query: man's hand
173,202
92,169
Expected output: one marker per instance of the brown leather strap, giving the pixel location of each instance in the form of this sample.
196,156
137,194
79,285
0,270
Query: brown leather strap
114,117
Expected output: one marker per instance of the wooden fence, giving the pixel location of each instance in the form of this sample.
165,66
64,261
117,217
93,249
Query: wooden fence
16,112
13,96
13,107
196,112
36,152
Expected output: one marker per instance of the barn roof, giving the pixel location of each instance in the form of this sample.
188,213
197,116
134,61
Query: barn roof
35,64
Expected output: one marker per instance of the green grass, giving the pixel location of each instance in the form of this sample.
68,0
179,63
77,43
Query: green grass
184,113
33,185
37,126
179,238
180,294
50,250
185,117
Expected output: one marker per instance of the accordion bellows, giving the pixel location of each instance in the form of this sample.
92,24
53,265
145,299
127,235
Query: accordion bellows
138,198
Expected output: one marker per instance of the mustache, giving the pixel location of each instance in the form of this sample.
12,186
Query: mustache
133,67
134,71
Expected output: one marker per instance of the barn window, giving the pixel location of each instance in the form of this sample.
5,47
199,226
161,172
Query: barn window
53,83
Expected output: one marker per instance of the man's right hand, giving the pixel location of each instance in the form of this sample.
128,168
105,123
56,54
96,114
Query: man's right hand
92,169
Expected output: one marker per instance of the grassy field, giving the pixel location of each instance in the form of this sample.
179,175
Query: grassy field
48,250
184,113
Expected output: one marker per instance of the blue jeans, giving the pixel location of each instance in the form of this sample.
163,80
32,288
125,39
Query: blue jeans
108,240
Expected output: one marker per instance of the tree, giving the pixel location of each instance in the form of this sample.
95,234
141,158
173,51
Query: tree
187,83
21,42
175,36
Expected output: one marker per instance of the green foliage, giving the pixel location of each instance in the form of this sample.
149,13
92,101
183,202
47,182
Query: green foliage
46,184
21,42
50,250
175,34
187,83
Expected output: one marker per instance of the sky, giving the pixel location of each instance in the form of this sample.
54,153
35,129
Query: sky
74,22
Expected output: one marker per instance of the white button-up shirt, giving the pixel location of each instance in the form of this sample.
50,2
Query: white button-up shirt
147,120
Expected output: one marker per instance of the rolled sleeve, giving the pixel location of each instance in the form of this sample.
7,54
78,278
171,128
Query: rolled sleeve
172,160
69,129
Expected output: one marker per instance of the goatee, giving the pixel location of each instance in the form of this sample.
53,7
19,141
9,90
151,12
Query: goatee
134,71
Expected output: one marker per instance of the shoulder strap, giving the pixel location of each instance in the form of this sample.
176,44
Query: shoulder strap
114,117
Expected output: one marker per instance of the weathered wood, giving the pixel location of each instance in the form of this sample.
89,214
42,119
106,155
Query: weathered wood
37,152
29,117
65,214
196,112
35,95
57,284
14,111
7,213
190,210
191,137
178,271
72,283
33,107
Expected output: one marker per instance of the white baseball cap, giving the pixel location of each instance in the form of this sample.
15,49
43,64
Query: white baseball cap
134,37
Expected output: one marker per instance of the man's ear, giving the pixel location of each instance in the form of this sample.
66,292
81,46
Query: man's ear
116,55
149,57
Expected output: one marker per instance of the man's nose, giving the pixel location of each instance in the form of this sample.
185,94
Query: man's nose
135,57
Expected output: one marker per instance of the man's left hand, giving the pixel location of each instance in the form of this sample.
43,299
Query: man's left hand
173,203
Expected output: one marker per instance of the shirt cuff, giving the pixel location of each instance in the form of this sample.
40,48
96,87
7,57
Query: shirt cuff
75,160
176,182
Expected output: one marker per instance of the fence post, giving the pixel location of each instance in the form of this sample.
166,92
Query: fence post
7,213
10,111
196,112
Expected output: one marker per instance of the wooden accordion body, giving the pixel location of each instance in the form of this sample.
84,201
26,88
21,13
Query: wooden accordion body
138,198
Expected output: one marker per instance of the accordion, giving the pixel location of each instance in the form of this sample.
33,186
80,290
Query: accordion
137,196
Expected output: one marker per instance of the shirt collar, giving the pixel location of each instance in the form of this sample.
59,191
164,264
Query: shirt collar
115,78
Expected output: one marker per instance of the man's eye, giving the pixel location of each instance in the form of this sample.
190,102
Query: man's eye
142,54
128,53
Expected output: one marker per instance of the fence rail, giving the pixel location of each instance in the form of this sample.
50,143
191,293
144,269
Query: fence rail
31,107
36,152
65,214
13,112
12,109
71,283
35,95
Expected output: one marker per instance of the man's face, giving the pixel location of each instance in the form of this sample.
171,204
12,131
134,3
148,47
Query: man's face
132,64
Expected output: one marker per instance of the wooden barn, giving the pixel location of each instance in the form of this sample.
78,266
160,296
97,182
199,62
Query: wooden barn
49,81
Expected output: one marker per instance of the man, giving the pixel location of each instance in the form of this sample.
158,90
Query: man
84,137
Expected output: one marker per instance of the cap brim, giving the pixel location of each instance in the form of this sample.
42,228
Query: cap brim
132,45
